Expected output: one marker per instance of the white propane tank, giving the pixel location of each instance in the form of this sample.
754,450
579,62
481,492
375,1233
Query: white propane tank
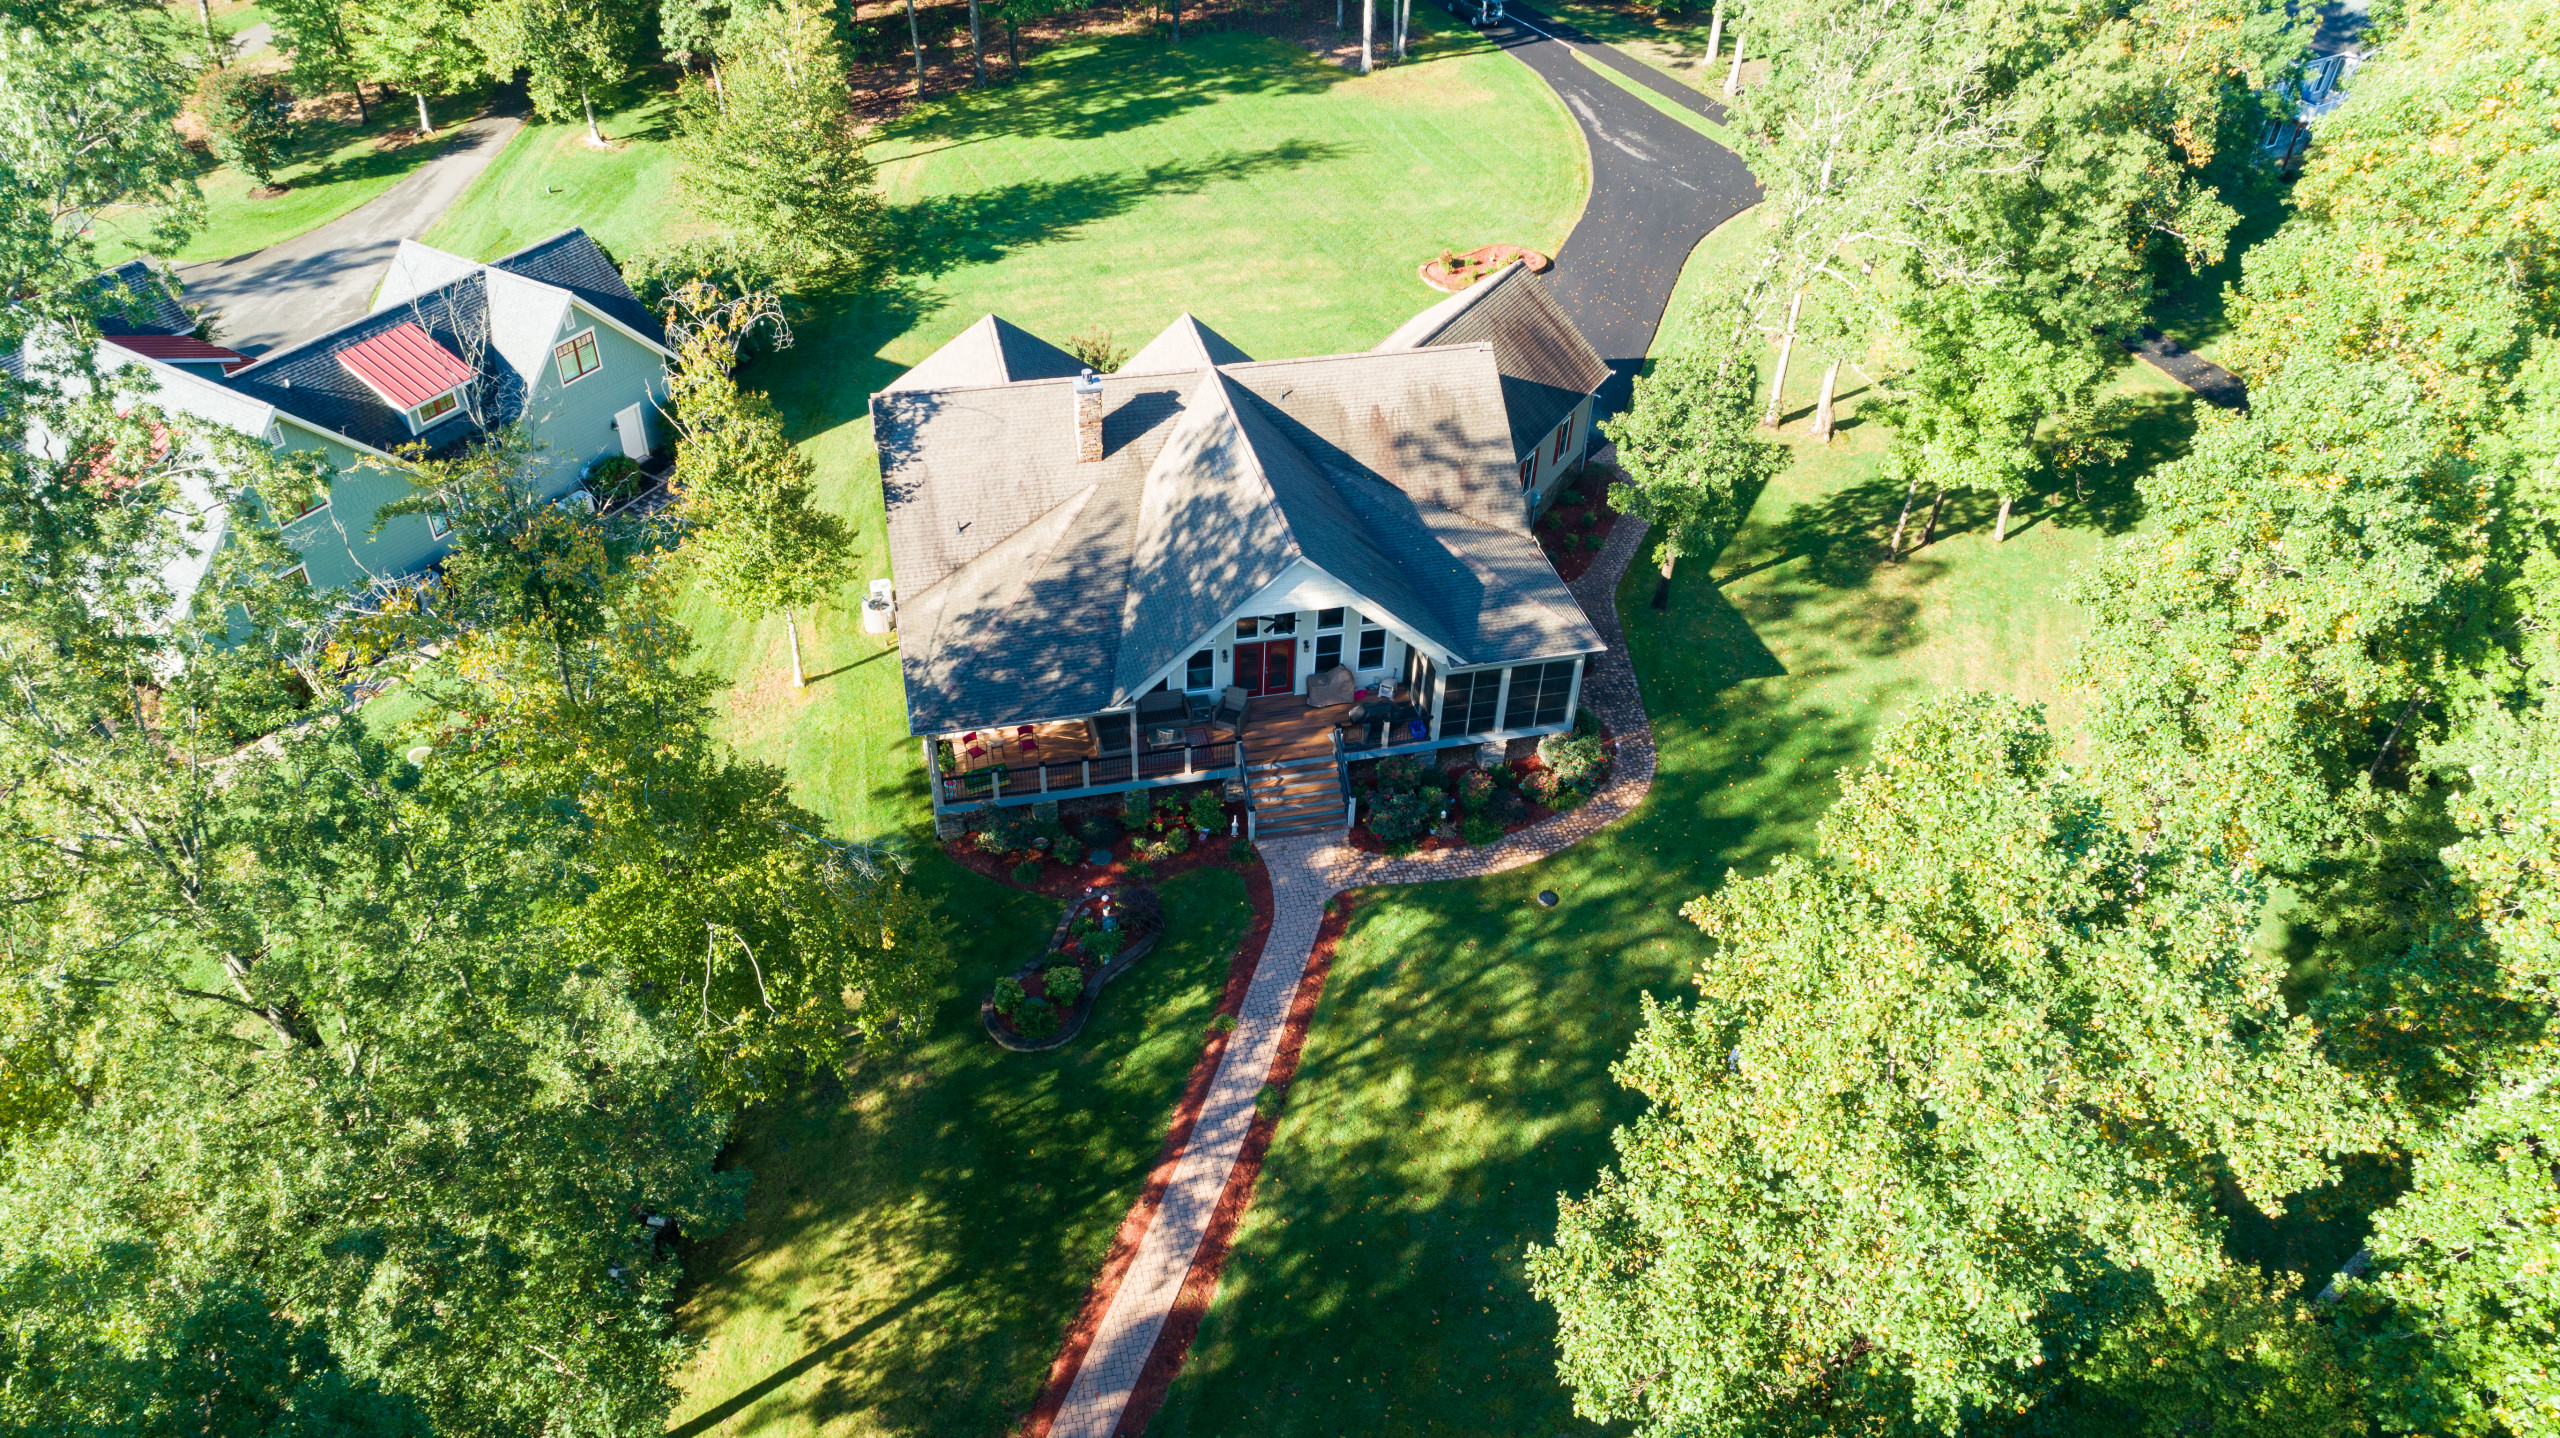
879,611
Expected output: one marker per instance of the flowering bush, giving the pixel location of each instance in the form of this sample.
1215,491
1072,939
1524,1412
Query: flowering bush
1399,774
1539,786
1475,786
1575,760
1400,816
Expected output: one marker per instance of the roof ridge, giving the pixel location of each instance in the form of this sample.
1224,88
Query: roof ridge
403,309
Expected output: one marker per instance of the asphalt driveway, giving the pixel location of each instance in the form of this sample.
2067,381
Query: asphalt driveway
277,297
1657,188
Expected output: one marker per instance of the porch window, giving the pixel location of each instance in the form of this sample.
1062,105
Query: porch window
1328,651
1467,707
1328,619
1538,694
1373,648
1202,671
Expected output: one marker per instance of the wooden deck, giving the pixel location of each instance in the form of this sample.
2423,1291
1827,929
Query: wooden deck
1283,727
1058,744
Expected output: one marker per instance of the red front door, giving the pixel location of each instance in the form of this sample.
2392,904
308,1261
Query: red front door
1267,668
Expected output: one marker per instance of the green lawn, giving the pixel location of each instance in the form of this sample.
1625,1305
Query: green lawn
550,178
915,1242
1675,44
331,169
1456,1075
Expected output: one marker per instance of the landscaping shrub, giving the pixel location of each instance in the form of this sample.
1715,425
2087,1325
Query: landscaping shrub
1098,831
1206,812
1103,945
614,478
1400,816
1240,850
1062,983
1010,996
1540,787
1136,808
1142,871
1480,829
1399,774
988,841
1475,787
1027,872
1012,831
1506,807
1585,723
1036,1019
1576,761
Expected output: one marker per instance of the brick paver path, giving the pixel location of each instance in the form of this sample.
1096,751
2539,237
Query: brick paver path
1306,871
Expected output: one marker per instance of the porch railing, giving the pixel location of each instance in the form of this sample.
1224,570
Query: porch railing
1033,780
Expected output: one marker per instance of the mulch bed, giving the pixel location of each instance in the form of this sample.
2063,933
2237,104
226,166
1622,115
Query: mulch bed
1186,1116
1561,529
1452,273
1368,843
1066,881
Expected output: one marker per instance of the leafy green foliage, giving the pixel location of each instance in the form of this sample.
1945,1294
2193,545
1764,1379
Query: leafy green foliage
1691,452
321,36
1401,815
771,154
568,49
89,96
421,46
1063,983
1952,1095
248,120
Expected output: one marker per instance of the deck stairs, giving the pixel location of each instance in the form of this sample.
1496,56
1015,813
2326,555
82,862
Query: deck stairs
1296,796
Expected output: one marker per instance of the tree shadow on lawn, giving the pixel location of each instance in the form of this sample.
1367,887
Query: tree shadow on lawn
1112,85
996,1179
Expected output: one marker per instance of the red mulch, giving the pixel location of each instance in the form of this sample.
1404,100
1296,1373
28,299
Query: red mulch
1065,881
1200,1285
1186,1114
1570,517
1483,260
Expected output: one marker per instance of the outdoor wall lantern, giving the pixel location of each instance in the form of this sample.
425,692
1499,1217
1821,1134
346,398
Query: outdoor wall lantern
1222,656
1305,644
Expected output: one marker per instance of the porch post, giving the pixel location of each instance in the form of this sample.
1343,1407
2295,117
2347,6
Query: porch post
1573,693
1086,774
1502,698
933,771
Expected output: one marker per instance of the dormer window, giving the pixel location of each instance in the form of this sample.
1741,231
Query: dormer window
435,409
407,370
576,356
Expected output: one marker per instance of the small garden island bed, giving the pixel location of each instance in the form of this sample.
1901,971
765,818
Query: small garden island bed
1043,1004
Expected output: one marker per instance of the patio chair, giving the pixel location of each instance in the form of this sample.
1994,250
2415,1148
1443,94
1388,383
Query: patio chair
1230,711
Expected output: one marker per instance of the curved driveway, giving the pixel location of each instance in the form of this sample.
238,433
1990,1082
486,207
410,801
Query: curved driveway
1657,188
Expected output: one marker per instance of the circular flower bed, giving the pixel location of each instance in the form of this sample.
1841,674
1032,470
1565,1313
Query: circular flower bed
1452,272
1044,1003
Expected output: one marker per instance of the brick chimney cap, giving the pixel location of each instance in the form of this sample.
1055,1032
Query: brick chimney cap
1088,383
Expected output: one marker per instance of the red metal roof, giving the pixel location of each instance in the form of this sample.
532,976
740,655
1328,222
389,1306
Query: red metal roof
180,349
405,367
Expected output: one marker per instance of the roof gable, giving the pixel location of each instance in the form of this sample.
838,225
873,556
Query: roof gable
573,261
1546,364
1186,344
990,352
135,299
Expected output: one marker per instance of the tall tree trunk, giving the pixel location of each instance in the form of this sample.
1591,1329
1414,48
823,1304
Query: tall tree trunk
1911,491
362,117
1337,14
1368,31
426,122
1929,531
1404,17
213,48
1733,77
1177,22
791,621
1786,349
2000,531
594,135
1715,37
915,39
977,56
1822,408
1013,47
1662,585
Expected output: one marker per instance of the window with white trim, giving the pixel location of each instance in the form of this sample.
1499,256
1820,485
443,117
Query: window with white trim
1538,694
1202,670
1564,434
1373,649
1466,705
435,409
576,356
1528,471
299,575
1328,651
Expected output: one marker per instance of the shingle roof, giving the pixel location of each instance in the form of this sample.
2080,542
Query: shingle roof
180,349
991,351
1036,586
1547,365
573,260
135,299
1186,345
405,367
308,382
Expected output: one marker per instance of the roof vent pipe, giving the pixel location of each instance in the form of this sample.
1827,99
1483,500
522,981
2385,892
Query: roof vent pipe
1088,419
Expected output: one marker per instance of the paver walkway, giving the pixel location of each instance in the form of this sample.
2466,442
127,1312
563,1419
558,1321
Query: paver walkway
1305,872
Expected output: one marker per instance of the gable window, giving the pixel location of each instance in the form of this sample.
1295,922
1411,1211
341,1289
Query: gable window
1247,628
576,357
1564,434
1280,623
1328,651
1538,694
1328,619
1201,671
435,409
299,577
1467,705
1373,648
1528,471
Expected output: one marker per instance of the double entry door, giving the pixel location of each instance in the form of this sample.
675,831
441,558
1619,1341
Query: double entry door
1268,668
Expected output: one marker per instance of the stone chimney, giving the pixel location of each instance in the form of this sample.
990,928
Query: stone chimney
1088,419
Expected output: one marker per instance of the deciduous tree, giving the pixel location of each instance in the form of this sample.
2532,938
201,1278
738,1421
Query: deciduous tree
424,48
248,119
771,154
568,49
1692,457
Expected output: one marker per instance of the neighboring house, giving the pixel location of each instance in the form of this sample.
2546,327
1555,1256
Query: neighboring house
1087,565
2318,87
549,337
